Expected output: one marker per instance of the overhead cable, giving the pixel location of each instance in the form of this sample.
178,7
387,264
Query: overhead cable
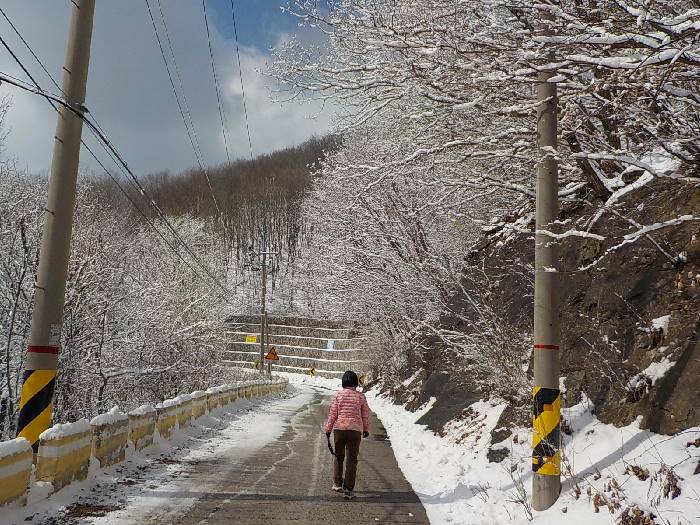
216,81
240,76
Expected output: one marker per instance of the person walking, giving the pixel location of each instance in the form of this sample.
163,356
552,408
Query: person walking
348,419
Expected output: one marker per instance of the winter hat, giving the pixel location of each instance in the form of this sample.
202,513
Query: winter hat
350,379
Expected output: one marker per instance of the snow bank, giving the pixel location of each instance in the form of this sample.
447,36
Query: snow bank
14,446
62,430
457,484
143,410
109,418
661,323
652,374
167,403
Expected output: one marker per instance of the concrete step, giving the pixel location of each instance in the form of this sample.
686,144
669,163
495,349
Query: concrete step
303,341
291,369
303,351
291,330
301,362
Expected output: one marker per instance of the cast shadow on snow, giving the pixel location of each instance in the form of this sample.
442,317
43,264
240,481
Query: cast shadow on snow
462,492
612,458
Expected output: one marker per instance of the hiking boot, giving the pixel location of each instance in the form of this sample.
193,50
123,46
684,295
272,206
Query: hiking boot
336,488
348,494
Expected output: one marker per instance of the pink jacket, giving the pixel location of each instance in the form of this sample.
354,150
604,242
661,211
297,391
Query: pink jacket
349,411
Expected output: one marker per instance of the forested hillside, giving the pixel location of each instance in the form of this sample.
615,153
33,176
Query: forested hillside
144,318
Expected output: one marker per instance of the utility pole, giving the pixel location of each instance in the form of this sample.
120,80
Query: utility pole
262,257
36,401
546,482
263,312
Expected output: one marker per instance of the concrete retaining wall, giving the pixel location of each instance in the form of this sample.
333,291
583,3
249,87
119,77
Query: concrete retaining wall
332,362
304,341
15,469
110,433
64,453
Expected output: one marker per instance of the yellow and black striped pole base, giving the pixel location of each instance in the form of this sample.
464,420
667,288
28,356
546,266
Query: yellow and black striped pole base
36,404
546,431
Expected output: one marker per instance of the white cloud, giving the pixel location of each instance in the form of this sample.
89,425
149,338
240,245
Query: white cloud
129,92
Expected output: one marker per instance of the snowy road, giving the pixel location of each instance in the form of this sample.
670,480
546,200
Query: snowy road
265,462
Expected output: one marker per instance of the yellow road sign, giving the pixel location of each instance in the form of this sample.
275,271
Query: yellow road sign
251,338
272,355
312,371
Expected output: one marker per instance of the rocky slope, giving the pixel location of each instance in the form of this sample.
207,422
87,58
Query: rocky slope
630,323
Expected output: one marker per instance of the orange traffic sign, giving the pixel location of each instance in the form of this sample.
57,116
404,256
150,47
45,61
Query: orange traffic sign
272,354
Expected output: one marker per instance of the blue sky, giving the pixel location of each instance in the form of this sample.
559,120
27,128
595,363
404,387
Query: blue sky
128,88
259,22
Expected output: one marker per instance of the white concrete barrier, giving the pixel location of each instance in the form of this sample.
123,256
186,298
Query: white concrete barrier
166,417
64,453
199,403
184,410
64,449
212,399
15,470
110,433
142,424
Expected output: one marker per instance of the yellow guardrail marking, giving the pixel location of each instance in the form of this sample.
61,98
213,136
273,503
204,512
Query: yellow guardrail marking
35,405
546,434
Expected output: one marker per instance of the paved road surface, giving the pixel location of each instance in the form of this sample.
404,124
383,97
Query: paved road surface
287,481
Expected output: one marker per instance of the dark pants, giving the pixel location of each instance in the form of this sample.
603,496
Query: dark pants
347,444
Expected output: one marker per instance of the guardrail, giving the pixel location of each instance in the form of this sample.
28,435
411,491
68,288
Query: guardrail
15,470
65,449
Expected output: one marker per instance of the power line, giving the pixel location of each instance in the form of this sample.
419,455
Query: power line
240,76
216,81
14,28
188,112
41,64
99,133
52,99
114,154
187,120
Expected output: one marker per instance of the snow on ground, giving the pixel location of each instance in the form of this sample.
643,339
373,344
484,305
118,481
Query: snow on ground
317,381
605,468
130,490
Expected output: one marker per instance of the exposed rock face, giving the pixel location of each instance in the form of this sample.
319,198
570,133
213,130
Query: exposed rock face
630,324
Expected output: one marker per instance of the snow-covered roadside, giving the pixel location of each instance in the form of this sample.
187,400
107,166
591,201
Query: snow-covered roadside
317,381
613,468
153,485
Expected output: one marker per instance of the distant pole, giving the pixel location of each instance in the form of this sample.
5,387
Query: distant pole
546,483
36,401
263,312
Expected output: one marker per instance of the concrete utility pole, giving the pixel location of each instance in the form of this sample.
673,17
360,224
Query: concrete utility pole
36,402
546,484
263,312
262,257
